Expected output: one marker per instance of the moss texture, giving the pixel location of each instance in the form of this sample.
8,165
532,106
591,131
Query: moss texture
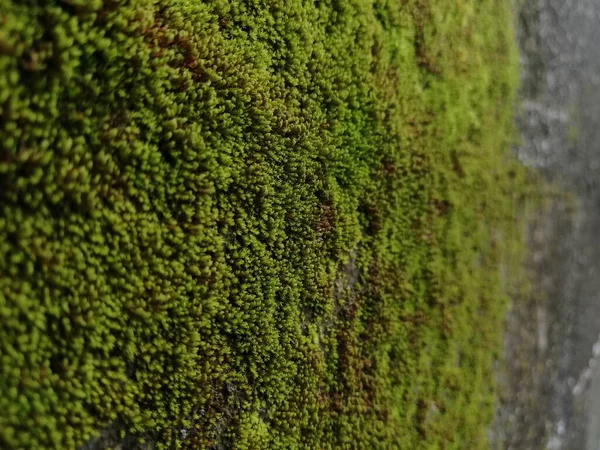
254,224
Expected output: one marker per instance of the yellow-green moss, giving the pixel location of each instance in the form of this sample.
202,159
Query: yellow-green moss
254,224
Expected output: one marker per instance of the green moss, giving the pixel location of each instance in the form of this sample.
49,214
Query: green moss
254,224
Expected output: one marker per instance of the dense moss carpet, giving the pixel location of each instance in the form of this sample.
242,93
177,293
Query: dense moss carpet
253,224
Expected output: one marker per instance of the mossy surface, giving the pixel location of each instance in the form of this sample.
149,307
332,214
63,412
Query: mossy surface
254,224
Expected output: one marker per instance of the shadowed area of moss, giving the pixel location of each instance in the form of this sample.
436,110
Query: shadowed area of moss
254,224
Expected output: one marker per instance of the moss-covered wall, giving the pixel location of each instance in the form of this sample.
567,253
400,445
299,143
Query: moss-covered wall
253,224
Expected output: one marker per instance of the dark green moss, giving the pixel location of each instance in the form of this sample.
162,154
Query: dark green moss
253,224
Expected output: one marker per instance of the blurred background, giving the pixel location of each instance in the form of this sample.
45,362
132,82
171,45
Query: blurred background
550,379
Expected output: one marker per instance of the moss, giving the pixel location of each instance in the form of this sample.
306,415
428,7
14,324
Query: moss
254,224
